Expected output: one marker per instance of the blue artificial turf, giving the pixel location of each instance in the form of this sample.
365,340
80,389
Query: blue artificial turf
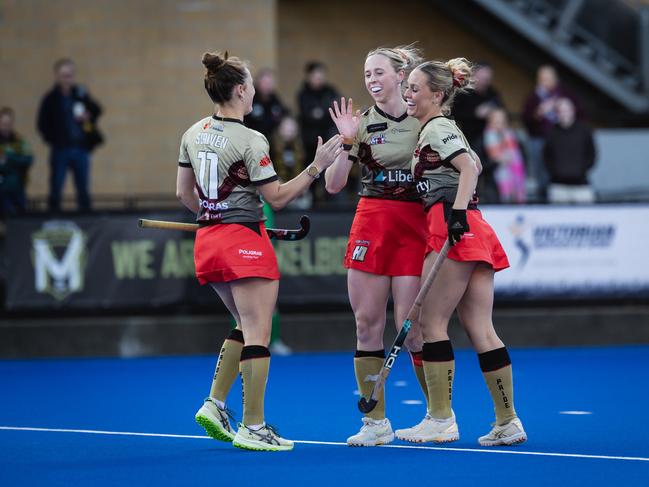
311,397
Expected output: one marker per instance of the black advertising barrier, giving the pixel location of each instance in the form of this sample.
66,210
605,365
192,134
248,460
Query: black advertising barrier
106,261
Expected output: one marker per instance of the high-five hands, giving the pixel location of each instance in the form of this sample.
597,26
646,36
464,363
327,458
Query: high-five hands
326,153
346,120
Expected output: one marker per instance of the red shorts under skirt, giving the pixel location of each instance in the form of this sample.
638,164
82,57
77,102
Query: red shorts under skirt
480,243
387,238
228,251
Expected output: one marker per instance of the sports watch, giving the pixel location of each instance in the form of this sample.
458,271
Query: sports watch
313,171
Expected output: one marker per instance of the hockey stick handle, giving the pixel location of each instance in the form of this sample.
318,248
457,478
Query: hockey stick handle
165,225
413,314
276,233
365,405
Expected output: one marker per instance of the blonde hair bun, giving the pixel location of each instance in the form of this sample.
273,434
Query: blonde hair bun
462,72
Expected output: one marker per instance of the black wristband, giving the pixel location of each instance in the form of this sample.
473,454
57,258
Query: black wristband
347,147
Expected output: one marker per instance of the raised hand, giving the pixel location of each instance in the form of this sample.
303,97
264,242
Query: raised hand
345,119
326,153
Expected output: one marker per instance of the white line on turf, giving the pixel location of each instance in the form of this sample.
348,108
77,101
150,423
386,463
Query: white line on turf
575,413
334,443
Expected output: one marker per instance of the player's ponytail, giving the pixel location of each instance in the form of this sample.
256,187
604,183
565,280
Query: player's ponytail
450,77
222,74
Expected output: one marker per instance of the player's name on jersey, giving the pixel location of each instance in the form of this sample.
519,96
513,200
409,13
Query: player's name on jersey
215,140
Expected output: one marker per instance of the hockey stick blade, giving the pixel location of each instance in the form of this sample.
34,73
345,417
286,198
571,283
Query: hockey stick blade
365,406
291,235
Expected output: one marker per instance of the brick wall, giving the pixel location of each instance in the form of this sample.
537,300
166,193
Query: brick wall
141,59
341,32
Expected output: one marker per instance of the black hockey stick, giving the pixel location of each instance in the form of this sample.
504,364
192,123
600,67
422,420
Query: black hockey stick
367,405
276,233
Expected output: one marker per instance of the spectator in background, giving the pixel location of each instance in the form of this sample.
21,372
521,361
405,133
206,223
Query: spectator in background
470,110
267,109
501,147
15,159
67,121
569,154
540,116
314,99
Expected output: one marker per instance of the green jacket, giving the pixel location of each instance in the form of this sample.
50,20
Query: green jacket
15,158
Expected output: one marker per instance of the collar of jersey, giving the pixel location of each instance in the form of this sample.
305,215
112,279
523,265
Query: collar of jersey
222,119
390,117
431,119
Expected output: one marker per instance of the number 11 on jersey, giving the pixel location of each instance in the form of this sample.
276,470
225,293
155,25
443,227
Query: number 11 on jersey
208,174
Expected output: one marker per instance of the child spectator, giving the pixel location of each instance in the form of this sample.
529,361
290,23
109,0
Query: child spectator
15,159
501,147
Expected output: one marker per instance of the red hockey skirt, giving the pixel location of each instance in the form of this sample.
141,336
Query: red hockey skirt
387,238
228,251
479,244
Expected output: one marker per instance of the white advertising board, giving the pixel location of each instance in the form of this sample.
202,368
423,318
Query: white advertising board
572,251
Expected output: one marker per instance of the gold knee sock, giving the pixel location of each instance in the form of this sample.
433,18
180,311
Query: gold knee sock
439,369
418,367
368,364
255,361
497,370
227,366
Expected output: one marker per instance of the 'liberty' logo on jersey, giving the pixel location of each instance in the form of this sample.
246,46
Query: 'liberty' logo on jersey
59,259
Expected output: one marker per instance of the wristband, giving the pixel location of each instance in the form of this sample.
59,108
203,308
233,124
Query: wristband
347,147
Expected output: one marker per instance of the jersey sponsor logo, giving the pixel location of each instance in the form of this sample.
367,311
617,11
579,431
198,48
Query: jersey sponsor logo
378,139
423,186
213,206
450,138
359,253
59,250
215,140
397,130
265,161
250,254
377,127
394,176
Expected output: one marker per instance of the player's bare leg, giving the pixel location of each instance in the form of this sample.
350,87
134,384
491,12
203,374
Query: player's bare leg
475,311
368,295
255,300
213,415
439,425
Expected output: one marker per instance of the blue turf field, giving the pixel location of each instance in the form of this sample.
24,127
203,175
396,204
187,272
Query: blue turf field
311,398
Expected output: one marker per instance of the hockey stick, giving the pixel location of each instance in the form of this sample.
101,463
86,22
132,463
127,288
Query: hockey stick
367,405
276,233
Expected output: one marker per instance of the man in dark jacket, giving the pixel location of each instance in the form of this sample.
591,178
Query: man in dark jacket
268,111
314,100
569,154
67,120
